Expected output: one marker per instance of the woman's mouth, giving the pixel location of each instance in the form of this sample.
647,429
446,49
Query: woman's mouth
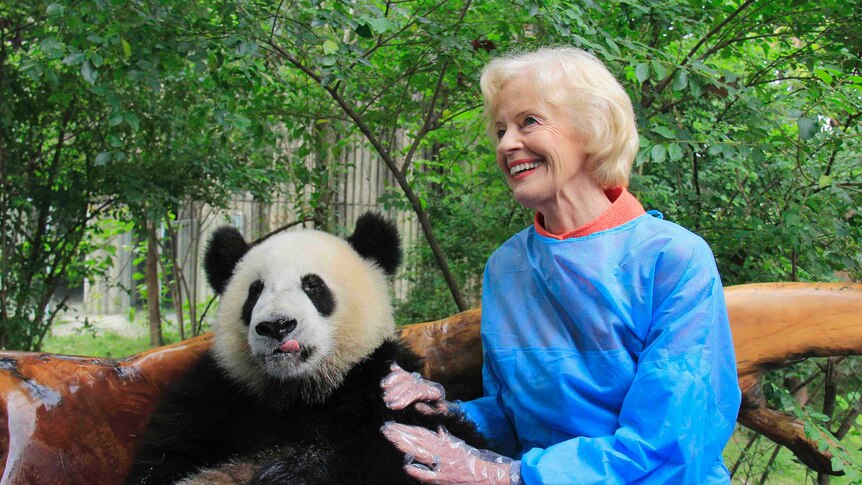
521,169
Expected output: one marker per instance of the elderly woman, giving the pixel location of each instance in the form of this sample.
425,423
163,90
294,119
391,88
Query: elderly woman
607,349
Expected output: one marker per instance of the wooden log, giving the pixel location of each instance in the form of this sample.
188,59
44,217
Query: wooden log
776,324
452,350
74,420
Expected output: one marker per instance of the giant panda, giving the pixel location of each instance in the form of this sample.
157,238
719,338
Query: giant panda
289,392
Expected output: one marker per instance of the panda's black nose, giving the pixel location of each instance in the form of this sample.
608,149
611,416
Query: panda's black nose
277,329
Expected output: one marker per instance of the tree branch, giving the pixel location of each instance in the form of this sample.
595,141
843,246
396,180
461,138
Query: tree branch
664,83
431,115
389,161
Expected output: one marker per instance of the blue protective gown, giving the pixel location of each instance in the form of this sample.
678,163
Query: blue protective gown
608,358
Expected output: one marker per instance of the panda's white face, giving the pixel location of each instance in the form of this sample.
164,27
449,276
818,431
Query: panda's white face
287,328
301,304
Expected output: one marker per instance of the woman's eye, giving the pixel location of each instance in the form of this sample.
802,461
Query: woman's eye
500,134
529,120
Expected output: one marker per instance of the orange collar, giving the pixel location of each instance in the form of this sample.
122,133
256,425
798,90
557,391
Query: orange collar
624,208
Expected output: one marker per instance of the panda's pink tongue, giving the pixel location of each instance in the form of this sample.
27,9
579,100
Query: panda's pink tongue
289,346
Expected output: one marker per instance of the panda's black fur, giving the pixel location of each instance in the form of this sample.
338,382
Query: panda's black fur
285,430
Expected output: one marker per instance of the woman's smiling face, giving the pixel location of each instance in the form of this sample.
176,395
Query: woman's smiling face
538,148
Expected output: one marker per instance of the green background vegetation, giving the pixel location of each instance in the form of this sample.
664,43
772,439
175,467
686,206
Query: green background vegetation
124,110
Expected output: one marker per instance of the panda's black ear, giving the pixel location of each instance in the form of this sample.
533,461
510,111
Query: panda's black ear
226,247
376,238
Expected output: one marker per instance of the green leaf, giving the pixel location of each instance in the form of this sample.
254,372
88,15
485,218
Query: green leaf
102,158
665,132
364,31
127,49
791,219
615,49
115,119
642,72
330,47
680,80
659,69
808,127
74,59
96,59
825,181
89,72
241,122
695,87
55,10
133,121
154,83
52,48
675,151
246,48
837,464
819,416
823,76
658,153
380,26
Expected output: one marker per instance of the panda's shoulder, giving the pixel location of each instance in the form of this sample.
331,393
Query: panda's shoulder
203,389
365,376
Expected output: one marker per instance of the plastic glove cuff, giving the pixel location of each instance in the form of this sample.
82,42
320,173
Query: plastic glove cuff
515,473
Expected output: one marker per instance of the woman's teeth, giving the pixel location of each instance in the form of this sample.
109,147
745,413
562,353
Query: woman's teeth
523,167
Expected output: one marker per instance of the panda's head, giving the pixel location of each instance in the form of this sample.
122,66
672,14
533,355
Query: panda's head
301,305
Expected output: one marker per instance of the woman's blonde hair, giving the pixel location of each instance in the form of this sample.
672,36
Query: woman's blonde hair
577,82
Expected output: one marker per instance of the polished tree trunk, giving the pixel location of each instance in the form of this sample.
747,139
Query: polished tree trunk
74,420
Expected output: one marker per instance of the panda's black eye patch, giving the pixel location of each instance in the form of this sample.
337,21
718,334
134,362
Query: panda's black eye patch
319,294
254,291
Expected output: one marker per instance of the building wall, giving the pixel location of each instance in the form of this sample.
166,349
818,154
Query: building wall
356,191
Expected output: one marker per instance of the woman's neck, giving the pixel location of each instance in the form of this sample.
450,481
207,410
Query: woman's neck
574,209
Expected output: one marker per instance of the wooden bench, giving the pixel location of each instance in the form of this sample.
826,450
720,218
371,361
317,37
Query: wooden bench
73,420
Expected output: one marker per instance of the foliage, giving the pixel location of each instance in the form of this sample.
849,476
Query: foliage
49,179
748,115
397,74
472,213
109,109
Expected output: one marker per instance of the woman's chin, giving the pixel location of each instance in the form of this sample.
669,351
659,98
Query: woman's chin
527,196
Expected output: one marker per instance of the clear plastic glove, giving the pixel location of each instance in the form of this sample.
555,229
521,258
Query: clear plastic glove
402,388
440,458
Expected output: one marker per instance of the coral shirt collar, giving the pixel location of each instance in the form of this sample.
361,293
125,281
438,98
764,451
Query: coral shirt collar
624,208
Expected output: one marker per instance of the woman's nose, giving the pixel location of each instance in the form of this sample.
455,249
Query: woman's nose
510,141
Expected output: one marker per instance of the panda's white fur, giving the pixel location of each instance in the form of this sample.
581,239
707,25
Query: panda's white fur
362,319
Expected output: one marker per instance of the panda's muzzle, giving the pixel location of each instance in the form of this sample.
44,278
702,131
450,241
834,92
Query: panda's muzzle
278,329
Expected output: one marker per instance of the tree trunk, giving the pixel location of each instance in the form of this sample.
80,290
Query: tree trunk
829,393
4,247
153,312
324,212
174,278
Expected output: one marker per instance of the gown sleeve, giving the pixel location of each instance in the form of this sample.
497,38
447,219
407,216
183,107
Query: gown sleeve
682,404
489,415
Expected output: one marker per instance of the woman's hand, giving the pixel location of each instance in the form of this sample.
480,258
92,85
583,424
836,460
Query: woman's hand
402,388
440,458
